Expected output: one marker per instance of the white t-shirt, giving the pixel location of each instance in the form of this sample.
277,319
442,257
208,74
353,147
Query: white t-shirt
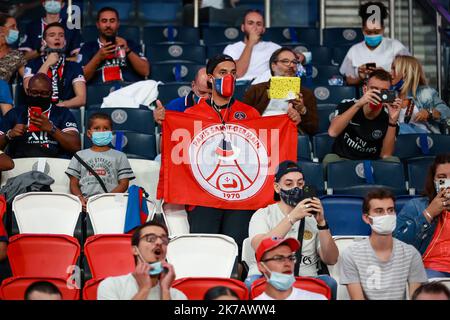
296,294
268,218
259,61
383,56
125,288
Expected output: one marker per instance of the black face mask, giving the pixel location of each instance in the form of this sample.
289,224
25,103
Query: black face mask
43,102
292,196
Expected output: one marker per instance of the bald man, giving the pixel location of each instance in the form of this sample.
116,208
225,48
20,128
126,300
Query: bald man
39,128
199,91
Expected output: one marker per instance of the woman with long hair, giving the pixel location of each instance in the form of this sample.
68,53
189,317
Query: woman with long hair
425,222
423,109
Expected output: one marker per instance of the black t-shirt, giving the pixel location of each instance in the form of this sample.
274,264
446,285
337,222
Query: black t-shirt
362,138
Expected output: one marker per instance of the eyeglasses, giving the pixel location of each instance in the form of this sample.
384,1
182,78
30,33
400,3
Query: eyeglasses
282,259
36,93
151,238
287,62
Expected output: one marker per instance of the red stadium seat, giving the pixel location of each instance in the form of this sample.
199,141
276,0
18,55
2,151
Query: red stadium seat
90,289
195,288
305,283
37,255
109,255
14,288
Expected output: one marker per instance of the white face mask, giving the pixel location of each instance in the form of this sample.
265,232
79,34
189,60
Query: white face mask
385,224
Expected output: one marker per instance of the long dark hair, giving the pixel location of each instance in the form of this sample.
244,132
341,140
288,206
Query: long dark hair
430,190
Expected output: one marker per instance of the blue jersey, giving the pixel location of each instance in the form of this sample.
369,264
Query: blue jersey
125,70
182,103
33,37
68,73
40,143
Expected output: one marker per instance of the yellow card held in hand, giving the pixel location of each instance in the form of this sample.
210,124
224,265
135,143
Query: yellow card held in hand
284,87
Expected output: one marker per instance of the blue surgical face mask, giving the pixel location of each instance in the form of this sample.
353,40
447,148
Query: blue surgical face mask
13,36
373,41
157,268
52,6
280,281
398,86
101,138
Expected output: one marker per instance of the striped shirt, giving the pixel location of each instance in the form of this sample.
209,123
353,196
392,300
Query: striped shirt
381,280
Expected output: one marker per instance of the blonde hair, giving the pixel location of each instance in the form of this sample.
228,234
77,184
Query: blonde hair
412,71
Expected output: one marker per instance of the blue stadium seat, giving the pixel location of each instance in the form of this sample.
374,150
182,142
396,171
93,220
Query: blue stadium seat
128,119
303,148
170,91
313,175
240,90
221,35
417,172
344,215
334,94
90,33
96,92
333,37
339,54
357,177
76,112
322,145
213,50
171,34
322,56
291,35
321,74
326,114
417,145
166,12
400,201
176,53
134,145
174,72
124,7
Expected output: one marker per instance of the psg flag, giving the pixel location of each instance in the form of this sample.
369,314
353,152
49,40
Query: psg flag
228,166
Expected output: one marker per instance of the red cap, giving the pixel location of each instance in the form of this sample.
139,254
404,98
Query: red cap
270,243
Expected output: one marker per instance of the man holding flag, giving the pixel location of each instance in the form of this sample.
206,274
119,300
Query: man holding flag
225,158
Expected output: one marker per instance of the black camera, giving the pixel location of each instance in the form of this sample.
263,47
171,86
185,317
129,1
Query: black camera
387,96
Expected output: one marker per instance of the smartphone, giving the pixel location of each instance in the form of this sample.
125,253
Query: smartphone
388,96
33,111
442,184
309,192
111,39
371,65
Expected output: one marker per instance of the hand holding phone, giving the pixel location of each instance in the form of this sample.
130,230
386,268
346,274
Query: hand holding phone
35,112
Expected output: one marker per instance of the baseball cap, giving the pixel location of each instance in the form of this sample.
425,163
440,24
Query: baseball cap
286,167
268,244
214,61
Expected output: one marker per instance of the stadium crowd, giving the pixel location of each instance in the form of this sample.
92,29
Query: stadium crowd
290,241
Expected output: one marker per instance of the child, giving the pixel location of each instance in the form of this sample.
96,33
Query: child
111,166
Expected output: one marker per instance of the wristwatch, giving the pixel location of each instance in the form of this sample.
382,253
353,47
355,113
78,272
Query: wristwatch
7,135
392,124
325,227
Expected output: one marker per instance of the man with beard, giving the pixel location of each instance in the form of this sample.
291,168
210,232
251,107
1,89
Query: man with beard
110,57
68,83
39,129
283,63
251,55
